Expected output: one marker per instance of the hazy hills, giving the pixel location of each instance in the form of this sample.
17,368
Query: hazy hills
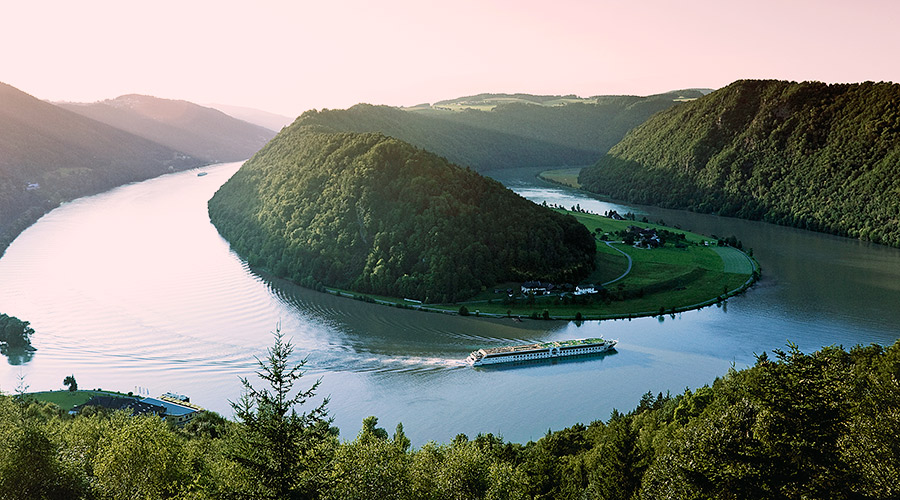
204,133
38,138
809,155
50,154
375,214
493,131
489,101
271,121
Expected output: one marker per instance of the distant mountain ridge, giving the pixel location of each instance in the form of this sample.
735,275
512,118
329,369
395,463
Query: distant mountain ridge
49,155
201,132
512,133
271,121
809,155
491,100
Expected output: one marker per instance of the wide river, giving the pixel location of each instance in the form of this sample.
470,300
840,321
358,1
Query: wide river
134,290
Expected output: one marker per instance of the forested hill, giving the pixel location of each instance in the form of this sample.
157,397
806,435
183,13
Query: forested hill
499,131
809,155
374,214
198,131
49,155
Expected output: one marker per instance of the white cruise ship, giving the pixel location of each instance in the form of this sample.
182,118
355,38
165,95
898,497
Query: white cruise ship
543,350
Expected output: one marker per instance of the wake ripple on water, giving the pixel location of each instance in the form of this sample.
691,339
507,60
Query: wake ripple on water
363,363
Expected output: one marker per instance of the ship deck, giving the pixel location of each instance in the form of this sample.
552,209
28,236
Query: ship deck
541,346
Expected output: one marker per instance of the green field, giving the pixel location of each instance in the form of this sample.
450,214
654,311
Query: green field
667,279
564,176
734,260
68,399
491,102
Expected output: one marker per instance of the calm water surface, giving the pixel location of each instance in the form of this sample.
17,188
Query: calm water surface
134,290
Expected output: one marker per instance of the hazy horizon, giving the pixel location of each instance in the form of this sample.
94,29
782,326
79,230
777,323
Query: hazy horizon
286,57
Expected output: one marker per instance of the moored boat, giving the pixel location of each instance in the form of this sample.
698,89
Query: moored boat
542,350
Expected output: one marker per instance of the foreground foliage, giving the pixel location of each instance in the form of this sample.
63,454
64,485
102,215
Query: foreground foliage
809,155
374,214
794,425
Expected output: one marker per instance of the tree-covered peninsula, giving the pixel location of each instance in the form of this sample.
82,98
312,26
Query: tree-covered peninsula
374,214
809,155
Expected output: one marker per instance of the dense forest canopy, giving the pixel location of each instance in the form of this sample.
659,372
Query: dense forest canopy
516,133
809,155
374,214
793,426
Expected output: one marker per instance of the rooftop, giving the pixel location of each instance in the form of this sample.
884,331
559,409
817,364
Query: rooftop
171,408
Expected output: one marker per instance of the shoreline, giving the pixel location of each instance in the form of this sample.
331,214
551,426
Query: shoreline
448,309
533,312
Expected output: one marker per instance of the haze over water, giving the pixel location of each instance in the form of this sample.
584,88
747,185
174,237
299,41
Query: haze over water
134,289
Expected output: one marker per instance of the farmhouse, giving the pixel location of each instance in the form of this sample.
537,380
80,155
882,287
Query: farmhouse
536,287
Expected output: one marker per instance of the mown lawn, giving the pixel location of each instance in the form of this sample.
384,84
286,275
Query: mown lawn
566,176
661,279
66,399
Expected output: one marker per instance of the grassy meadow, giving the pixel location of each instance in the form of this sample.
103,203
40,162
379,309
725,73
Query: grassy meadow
661,280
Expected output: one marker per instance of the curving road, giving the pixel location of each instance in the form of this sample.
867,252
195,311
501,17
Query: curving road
627,270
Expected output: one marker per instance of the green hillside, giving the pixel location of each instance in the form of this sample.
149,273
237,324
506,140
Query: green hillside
374,214
809,155
494,131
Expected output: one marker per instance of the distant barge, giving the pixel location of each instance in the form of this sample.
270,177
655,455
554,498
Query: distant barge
543,350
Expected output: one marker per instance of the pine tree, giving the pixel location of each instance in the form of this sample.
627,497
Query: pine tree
282,452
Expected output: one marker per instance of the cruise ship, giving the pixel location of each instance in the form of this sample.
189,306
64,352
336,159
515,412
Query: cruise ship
543,350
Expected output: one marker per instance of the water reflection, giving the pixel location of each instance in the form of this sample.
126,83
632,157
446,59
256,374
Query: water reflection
17,356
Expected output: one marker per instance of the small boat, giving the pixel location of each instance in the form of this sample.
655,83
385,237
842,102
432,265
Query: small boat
201,174
543,350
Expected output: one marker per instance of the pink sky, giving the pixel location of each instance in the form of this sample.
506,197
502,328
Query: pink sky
289,56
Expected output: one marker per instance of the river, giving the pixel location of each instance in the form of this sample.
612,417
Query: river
134,290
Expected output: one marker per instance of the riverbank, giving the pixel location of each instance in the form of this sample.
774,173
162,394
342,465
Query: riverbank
688,271
39,203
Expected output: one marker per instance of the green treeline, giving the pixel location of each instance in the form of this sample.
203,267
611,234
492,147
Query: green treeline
14,333
809,155
374,214
794,425
510,135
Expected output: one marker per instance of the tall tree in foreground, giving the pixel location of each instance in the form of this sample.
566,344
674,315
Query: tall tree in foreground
281,454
